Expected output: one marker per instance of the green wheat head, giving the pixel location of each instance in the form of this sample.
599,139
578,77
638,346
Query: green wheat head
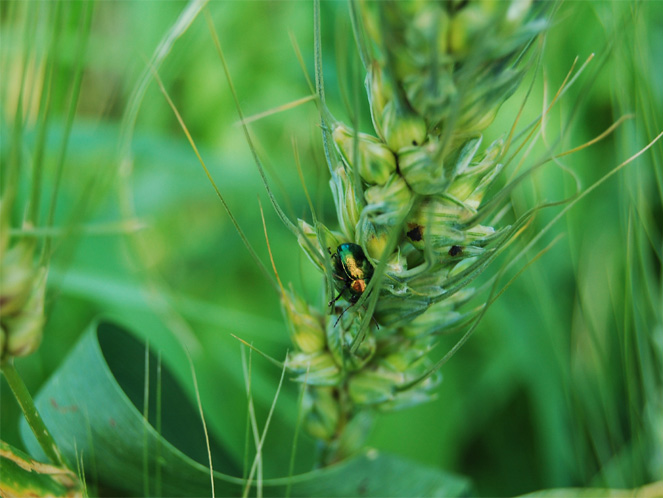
22,289
411,197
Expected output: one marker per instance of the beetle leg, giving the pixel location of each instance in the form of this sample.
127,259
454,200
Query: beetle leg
331,303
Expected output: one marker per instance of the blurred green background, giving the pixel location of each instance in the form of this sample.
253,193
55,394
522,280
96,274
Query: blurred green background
561,384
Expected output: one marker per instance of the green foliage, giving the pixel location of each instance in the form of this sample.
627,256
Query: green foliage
23,476
101,417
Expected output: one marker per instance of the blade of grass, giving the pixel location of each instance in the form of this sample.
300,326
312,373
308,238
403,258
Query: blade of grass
176,323
258,456
589,190
251,413
202,419
273,361
249,409
249,140
146,408
31,414
359,35
157,476
239,230
45,113
276,110
77,78
298,424
320,83
93,229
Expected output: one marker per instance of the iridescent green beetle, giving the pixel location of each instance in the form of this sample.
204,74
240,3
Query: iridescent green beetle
351,271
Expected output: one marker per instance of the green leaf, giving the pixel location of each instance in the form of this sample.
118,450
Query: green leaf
23,476
90,406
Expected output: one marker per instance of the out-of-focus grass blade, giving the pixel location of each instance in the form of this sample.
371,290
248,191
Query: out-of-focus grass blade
654,490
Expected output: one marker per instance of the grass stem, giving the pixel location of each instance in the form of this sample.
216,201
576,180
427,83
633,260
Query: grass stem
31,414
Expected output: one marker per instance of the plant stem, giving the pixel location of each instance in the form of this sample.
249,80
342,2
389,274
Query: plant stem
31,414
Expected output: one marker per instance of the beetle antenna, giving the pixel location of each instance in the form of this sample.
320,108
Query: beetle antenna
331,303
376,322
